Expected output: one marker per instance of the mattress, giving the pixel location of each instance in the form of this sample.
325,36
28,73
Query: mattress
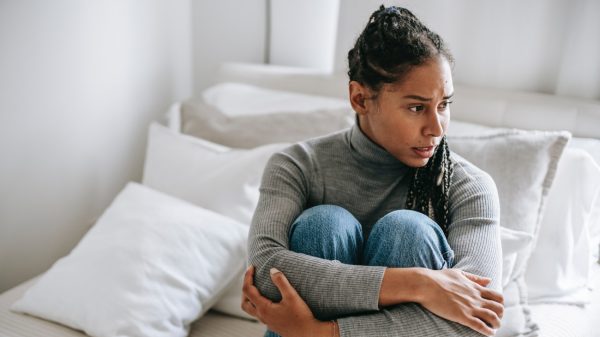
554,320
213,324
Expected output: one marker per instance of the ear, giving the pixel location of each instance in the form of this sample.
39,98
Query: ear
358,95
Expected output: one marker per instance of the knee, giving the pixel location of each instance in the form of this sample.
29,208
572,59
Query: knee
407,226
407,238
328,232
324,221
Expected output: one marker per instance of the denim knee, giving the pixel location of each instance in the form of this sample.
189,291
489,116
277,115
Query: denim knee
329,232
407,238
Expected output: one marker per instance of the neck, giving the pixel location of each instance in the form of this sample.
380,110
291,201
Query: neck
363,125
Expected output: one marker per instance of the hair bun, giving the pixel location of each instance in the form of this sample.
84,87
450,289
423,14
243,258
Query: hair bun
393,42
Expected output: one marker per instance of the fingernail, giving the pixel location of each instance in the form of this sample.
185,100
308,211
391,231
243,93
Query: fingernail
274,271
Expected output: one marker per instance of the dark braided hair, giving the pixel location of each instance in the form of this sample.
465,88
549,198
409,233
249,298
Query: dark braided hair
393,42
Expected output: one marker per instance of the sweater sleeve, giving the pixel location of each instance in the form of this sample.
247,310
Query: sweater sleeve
475,239
330,288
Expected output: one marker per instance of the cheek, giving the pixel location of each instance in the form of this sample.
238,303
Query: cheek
446,117
404,132
445,121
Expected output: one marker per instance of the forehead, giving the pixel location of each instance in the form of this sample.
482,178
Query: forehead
428,79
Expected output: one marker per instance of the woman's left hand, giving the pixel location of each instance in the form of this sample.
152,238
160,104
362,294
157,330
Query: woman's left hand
290,317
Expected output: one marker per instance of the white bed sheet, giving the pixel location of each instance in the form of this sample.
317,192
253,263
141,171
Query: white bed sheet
557,320
13,324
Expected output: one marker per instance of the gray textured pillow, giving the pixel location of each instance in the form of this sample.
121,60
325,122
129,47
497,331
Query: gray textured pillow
523,165
205,121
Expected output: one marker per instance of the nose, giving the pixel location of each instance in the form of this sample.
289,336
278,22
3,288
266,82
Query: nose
433,125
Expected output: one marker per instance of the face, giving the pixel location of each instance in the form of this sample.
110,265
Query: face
408,118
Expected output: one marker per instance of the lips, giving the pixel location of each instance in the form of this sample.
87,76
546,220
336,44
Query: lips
424,152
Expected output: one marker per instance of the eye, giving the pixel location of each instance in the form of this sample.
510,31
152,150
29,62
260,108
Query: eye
444,105
416,108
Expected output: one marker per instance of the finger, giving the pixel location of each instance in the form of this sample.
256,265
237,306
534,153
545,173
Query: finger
482,281
492,295
479,326
282,283
256,298
495,307
489,317
251,292
248,280
249,308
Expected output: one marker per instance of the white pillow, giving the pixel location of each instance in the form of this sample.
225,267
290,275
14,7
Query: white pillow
459,128
230,302
513,242
559,267
523,165
594,227
239,99
212,176
209,175
568,237
255,116
150,266
591,146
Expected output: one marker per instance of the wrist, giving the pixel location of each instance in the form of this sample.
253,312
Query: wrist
422,288
325,329
402,285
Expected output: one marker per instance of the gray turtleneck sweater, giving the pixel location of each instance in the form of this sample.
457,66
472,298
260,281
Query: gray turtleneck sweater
349,170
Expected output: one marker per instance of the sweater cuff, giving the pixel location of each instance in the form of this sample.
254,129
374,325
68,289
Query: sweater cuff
366,283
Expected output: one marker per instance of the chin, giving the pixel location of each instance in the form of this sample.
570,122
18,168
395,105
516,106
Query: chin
411,160
415,162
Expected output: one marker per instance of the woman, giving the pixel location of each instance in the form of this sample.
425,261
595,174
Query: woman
379,230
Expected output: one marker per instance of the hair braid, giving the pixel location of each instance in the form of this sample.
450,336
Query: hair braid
430,186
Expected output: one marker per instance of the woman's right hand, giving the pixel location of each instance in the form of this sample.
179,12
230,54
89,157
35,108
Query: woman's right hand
462,297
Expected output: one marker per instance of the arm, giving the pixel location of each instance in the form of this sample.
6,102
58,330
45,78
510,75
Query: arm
283,196
410,319
477,230
289,317
474,236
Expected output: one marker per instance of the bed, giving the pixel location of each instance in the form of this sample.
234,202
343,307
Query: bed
214,128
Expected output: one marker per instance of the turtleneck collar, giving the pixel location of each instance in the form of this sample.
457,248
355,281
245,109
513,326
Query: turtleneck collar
367,151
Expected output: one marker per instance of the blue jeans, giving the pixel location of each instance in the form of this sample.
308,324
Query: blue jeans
400,239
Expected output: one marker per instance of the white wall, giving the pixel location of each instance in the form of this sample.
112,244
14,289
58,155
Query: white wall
303,33
226,31
79,83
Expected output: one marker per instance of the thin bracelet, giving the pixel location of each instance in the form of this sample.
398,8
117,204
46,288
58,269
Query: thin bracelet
333,329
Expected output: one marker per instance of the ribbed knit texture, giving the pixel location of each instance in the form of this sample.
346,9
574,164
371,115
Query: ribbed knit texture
349,170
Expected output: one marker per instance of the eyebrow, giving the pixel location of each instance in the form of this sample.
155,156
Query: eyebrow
425,99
